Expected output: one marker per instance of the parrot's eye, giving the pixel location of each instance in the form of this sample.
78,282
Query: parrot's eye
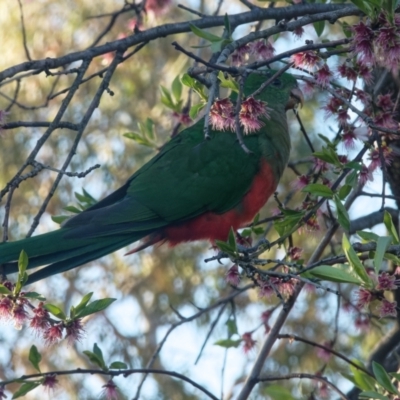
276,82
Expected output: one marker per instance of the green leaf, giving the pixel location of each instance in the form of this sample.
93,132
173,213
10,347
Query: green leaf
34,295
176,88
371,394
286,224
59,219
363,6
118,365
138,138
56,311
361,379
204,35
344,191
381,247
368,236
351,179
72,209
35,357
194,110
277,392
355,262
387,220
96,357
319,27
225,247
22,263
246,232
83,303
187,80
95,306
227,25
228,343
343,216
25,388
228,83
232,239
318,189
232,327
392,257
166,99
395,375
383,378
328,273
328,155
4,290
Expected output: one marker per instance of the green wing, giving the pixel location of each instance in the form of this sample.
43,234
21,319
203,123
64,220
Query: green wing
188,177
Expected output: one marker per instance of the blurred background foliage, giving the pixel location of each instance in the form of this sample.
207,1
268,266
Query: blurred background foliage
150,285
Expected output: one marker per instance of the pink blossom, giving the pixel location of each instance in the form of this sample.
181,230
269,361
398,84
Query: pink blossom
333,106
6,306
248,342
182,118
363,96
267,288
320,165
386,282
362,42
251,110
157,7
240,55
298,32
365,72
343,116
53,334
324,354
323,390
375,157
348,137
385,102
323,75
265,316
74,330
347,72
385,119
19,315
40,320
295,253
307,59
312,224
110,391
262,49
365,175
387,308
286,288
233,276
222,115
364,297
50,381
362,322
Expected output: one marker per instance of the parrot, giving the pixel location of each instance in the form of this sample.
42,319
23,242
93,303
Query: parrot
194,188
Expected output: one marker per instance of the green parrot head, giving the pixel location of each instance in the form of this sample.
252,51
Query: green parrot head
282,93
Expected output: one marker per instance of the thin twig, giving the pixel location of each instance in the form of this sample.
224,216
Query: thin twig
28,56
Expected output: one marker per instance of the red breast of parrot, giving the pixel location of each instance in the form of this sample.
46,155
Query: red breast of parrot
192,189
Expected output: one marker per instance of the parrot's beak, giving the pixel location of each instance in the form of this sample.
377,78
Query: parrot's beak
296,98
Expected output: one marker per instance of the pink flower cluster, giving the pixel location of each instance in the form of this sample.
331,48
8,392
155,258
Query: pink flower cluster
384,282
15,309
222,114
260,49
380,45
